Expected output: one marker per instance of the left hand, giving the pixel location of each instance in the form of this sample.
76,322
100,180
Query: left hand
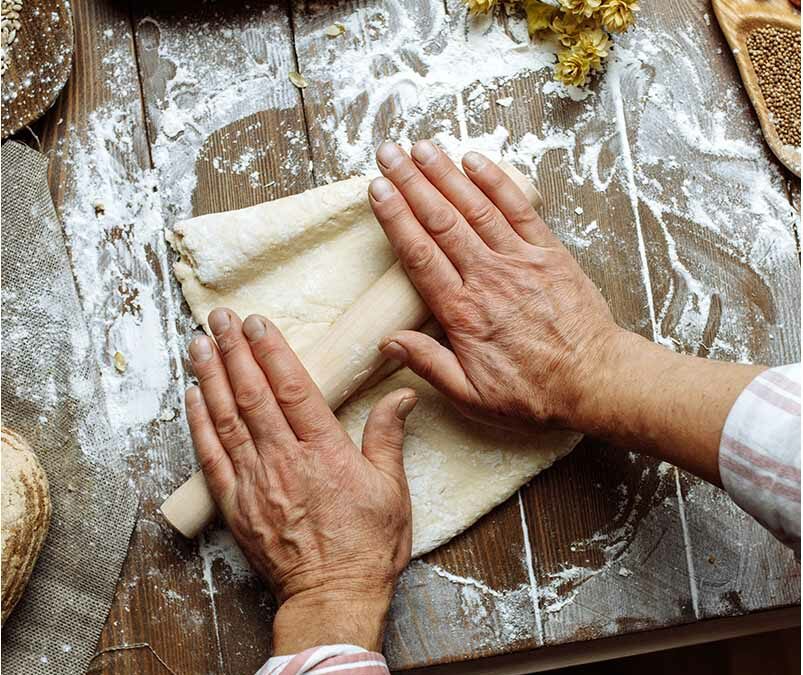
327,525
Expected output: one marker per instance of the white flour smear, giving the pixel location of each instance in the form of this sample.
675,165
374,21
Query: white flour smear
398,57
198,95
692,165
474,613
112,221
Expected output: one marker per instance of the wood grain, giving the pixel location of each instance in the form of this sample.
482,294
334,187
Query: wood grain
753,297
614,510
105,83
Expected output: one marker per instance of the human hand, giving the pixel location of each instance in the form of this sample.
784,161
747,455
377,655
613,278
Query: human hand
527,328
327,526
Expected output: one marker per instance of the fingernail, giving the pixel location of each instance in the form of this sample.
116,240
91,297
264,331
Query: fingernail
388,154
393,350
425,152
473,160
381,188
201,349
254,328
193,396
405,407
219,321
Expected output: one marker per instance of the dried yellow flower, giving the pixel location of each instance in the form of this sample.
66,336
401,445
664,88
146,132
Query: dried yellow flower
480,6
584,8
539,15
567,27
582,27
572,68
619,15
594,45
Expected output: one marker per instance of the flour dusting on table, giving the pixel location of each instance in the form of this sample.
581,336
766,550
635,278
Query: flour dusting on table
633,132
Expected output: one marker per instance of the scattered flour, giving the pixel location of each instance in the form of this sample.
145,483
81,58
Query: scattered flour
440,70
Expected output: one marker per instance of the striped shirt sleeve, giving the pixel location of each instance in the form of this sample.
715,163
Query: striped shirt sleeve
339,659
759,453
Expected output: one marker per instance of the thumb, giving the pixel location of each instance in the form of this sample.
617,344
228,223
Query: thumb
430,360
383,437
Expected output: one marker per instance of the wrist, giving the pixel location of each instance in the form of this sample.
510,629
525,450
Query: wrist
321,617
608,369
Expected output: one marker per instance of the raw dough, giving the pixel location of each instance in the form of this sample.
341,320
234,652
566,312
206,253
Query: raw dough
301,261
25,516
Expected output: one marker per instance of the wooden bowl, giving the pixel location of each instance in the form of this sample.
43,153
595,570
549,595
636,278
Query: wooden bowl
39,62
738,18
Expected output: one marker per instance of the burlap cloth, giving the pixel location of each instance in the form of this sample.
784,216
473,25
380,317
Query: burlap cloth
52,395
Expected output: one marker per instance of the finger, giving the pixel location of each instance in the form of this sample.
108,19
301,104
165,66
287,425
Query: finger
508,198
478,211
427,265
212,456
439,217
298,396
383,436
429,359
229,426
252,393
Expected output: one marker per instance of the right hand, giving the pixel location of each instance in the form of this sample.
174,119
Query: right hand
527,327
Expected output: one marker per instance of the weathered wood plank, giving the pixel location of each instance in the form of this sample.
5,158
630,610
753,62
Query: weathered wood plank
614,258
226,130
725,272
99,175
486,605
604,524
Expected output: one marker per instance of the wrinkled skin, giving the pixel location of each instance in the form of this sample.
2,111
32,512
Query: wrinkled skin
524,323
325,524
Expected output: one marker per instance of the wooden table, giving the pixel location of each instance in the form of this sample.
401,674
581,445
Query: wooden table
607,543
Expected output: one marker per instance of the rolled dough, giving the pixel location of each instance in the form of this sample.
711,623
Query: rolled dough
301,261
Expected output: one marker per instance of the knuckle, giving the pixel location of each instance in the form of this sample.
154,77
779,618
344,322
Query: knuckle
481,214
291,392
267,347
393,209
211,464
521,212
406,177
228,425
419,255
208,376
440,219
442,170
251,399
426,367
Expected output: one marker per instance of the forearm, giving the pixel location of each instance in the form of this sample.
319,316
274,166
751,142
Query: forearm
312,620
669,405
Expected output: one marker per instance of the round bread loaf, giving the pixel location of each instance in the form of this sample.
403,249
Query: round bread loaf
25,515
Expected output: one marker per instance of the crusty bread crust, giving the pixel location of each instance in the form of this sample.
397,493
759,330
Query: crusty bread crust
25,515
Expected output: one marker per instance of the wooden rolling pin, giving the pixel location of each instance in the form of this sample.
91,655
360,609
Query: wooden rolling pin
338,363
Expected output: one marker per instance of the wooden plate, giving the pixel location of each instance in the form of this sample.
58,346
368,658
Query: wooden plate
39,62
738,18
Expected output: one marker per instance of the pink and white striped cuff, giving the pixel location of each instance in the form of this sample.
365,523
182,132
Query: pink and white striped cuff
759,453
340,659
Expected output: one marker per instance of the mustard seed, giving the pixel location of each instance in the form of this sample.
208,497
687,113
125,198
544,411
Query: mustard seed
775,54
